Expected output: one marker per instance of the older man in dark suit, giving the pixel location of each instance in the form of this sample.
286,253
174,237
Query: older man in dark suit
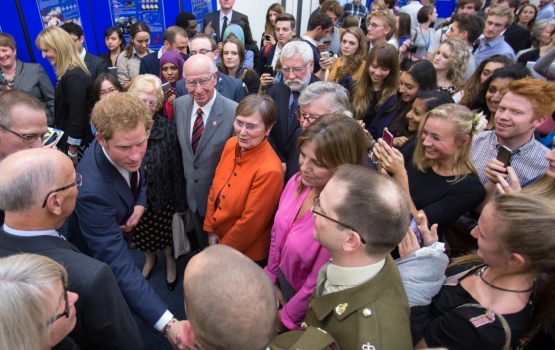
95,64
33,215
298,64
112,200
217,22
229,87
204,121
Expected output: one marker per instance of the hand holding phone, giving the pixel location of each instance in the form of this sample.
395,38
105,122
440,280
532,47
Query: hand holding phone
166,87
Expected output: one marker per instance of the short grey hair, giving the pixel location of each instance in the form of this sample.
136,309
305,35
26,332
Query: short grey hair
335,96
27,185
538,29
27,287
11,99
298,47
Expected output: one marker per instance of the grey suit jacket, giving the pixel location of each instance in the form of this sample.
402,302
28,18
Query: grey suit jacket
32,78
201,167
214,17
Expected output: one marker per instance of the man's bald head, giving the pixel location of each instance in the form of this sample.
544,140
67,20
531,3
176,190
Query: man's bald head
27,176
198,64
229,300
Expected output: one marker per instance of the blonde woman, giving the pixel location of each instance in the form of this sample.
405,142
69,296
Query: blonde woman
73,93
38,311
438,173
450,61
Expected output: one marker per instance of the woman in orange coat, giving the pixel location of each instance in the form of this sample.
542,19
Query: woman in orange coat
247,184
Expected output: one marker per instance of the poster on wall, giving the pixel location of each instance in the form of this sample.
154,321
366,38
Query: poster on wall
200,9
57,12
125,13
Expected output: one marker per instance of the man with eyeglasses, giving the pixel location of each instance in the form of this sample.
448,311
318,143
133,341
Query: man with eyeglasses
229,87
204,120
22,124
317,99
38,189
360,216
380,29
112,200
95,64
297,66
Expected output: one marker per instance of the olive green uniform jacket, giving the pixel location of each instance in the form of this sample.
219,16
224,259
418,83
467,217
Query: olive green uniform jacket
373,315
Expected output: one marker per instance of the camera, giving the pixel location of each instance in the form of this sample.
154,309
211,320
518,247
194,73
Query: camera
412,48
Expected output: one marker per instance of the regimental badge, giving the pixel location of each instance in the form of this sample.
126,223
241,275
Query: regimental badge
341,308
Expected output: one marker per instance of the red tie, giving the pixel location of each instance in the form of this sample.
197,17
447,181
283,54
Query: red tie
198,128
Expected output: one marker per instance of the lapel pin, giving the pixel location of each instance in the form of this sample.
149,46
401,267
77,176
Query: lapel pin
368,346
214,123
340,309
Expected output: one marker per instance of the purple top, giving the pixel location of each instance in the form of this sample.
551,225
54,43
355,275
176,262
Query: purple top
299,257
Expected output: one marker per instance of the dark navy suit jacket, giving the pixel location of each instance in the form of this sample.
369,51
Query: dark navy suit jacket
105,201
282,140
229,87
150,64
103,318
95,65
265,61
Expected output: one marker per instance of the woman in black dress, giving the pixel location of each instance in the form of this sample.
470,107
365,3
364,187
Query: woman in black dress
165,180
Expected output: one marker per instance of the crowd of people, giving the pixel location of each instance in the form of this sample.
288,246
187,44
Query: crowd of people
384,180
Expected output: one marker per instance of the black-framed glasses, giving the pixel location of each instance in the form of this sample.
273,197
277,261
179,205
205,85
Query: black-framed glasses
286,70
301,117
28,139
78,182
203,82
66,310
315,212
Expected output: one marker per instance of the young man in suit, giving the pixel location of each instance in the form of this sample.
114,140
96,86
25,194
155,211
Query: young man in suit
232,88
217,22
95,64
176,39
33,216
204,119
112,199
285,31
22,124
360,217
298,64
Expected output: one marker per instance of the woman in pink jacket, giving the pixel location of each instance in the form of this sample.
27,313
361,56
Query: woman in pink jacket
295,257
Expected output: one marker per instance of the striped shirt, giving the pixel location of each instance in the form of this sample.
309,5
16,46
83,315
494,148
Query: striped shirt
528,161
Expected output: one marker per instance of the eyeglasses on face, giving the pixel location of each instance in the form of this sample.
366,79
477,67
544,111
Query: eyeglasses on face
151,104
28,139
295,70
374,25
66,310
301,117
250,127
202,52
78,182
315,212
104,93
193,83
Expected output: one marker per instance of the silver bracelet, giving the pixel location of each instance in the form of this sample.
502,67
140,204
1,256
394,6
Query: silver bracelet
71,155
371,156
